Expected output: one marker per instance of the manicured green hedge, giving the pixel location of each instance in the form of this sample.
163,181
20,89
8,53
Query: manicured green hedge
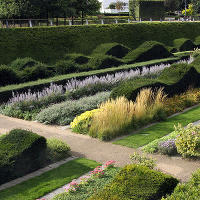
6,92
137,182
175,80
49,44
112,49
149,50
21,152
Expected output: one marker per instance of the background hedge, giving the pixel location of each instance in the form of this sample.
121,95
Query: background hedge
49,44
21,152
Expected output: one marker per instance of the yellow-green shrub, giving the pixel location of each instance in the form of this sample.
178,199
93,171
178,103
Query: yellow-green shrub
188,140
82,123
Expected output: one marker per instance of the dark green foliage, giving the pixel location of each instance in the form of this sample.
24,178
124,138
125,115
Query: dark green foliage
197,41
183,44
49,44
66,67
7,76
137,183
21,152
77,58
172,49
175,80
148,51
103,61
112,49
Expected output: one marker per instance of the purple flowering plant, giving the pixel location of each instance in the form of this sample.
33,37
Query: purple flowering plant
168,147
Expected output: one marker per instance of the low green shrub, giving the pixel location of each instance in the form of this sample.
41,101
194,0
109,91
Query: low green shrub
7,76
187,191
77,58
137,182
184,44
149,50
88,189
64,113
113,49
56,150
21,152
197,41
103,61
66,67
188,141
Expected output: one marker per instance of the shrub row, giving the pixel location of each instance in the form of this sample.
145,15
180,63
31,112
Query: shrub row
137,182
50,44
6,92
175,80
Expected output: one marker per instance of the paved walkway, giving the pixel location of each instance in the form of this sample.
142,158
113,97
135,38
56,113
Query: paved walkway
84,146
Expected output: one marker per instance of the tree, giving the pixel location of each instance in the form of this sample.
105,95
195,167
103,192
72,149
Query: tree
172,5
196,5
112,5
119,5
189,11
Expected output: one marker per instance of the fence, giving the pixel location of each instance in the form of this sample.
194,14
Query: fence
12,23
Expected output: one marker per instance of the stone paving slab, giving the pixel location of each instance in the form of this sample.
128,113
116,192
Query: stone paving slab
34,174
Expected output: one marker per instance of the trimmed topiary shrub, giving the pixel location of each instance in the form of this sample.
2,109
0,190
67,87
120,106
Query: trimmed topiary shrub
103,61
77,58
175,80
66,67
137,182
112,49
7,76
149,50
184,44
21,152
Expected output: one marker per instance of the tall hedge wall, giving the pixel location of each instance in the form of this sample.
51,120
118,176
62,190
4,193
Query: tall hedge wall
48,44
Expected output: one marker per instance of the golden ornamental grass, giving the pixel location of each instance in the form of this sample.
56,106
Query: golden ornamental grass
116,116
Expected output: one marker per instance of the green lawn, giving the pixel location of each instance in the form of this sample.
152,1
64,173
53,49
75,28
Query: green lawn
47,182
159,130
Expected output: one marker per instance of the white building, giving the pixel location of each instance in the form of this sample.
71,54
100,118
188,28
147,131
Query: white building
105,4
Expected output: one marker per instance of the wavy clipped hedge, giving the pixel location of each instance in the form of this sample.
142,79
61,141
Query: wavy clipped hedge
49,44
149,50
112,49
175,80
21,152
137,182
184,44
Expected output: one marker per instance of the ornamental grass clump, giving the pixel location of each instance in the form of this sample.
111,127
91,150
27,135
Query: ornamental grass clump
113,118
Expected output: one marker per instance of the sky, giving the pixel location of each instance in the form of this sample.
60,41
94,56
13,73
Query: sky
106,3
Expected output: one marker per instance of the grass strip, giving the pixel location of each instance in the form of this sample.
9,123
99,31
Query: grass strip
159,130
49,181
57,79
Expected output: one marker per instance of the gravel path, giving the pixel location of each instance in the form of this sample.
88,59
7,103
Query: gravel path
84,146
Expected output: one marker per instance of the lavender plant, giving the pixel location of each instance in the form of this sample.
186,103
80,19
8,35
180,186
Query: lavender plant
167,147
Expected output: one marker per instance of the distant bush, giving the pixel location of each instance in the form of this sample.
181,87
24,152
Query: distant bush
183,44
187,191
137,182
7,75
23,63
112,49
21,152
66,67
188,141
149,50
56,150
64,113
103,61
77,58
